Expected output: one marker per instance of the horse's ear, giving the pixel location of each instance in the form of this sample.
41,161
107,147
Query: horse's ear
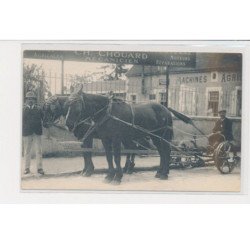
78,89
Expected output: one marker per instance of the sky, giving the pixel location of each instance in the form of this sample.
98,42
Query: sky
70,67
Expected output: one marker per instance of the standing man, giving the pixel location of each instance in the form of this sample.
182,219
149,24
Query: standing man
32,131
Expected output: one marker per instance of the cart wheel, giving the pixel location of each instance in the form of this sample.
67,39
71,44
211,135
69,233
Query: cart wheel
224,163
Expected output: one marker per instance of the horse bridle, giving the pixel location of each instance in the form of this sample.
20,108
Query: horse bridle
78,120
90,118
53,119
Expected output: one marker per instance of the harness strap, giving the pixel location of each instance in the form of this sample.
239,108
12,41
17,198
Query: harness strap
153,135
94,126
133,114
110,104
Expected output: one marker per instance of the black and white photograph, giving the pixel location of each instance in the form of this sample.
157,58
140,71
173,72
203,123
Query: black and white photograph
124,125
131,120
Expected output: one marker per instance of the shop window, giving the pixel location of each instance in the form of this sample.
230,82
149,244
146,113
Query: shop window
152,97
120,95
163,98
187,100
238,103
213,102
133,98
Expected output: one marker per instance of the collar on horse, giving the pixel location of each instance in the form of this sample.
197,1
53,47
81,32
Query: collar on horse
92,118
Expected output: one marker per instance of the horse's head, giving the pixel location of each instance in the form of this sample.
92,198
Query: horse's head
75,106
52,110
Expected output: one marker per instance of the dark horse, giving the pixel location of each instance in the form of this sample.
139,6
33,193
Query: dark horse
152,117
55,107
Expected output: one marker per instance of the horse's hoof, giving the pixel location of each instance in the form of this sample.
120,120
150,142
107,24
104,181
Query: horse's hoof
109,178
118,177
163,177
158,175
130,171
116,182
88,174
84,171
124,170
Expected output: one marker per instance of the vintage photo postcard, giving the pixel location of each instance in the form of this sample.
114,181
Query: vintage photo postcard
131,118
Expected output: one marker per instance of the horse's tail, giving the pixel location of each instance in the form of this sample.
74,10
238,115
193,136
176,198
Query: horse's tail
168,124
165,120
169,132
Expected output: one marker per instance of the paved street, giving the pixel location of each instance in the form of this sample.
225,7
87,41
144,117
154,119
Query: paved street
63,173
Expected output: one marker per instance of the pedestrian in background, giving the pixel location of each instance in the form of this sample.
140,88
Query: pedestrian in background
32,131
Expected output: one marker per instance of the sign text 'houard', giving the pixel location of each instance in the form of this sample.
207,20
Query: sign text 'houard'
174,59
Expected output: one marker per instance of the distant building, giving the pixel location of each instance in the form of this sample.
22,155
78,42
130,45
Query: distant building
118,87
215,83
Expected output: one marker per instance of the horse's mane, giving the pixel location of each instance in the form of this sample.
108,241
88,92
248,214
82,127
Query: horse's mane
118,100
74,97
51,99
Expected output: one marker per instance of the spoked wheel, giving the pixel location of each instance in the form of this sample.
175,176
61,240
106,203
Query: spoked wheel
224,158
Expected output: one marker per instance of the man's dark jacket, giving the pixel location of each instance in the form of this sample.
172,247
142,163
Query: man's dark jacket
225,127
32,120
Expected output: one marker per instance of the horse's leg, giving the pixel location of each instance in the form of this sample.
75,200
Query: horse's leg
132,164
130,158
117,158
158,145
127,163
166,150
85,157
89,166
107,143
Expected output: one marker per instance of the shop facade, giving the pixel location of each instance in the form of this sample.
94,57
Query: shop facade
197,92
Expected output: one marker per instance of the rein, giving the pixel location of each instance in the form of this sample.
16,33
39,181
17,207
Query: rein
80,121
89,118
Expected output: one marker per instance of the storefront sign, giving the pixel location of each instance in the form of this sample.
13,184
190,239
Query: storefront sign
174,59
231,77
192,79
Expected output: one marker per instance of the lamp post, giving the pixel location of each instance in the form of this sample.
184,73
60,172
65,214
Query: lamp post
167,85
62,77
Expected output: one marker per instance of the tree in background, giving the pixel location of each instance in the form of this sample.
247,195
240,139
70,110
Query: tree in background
120,70
34,80
114,71
106,72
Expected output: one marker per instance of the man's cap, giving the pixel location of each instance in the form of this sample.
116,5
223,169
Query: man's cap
31,94
222,111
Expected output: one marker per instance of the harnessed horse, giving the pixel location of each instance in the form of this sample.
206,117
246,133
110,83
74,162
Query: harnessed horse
118,121
55,107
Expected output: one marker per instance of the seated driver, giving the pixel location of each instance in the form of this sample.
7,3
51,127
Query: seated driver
222,130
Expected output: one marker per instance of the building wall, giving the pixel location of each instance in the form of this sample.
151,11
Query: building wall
189,92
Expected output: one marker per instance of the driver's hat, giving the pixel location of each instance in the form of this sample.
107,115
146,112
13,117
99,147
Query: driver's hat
222,111
30,95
